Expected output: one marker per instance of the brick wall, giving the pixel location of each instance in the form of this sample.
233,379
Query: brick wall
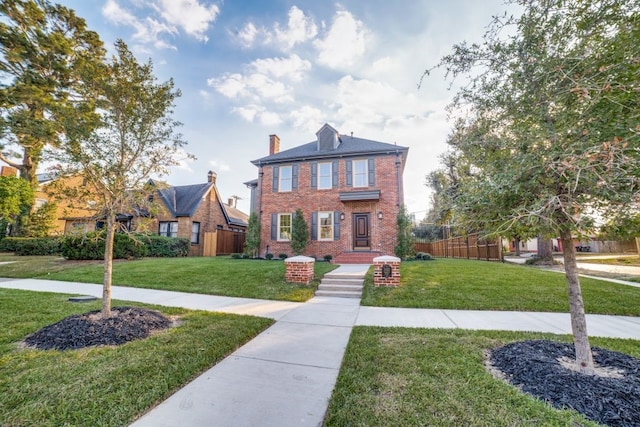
382,231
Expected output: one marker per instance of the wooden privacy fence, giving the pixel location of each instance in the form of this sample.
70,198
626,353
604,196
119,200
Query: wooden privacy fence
469,247
229,242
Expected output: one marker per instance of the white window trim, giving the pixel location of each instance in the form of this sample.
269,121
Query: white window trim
278,238
330,214
328,187
290,180
366,173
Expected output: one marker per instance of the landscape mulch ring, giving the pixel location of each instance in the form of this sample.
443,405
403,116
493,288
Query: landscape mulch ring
539,367
91,329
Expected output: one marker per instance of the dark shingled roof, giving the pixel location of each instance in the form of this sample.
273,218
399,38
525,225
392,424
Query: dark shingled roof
236,216
349,146
184,200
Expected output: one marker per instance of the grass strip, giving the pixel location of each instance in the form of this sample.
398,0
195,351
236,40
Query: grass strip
418,377
480,285
104,386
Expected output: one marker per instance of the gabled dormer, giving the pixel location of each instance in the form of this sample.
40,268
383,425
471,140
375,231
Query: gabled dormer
328,138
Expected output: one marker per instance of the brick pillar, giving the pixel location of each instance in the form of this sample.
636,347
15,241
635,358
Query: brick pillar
299,269
386,271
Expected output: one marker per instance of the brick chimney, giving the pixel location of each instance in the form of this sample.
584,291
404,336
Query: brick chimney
274,144
8,171
211,177
230,200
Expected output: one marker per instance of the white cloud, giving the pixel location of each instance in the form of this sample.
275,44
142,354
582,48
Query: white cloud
219,166
344,43
248,35
308,118
270,118
194,18
292,68
300,28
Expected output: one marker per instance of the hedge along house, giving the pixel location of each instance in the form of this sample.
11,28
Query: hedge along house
350,190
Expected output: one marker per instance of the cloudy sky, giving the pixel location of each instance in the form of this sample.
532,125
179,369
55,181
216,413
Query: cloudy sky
249,68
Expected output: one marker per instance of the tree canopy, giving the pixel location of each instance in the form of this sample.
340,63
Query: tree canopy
15,197
48,60
548,125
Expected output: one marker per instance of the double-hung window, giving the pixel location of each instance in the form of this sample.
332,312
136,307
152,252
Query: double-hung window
168,228
325,230
195,233
324,176
286,178
360,173
284,227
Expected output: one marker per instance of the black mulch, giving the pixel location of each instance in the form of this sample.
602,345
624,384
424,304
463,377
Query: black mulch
533,366
85,330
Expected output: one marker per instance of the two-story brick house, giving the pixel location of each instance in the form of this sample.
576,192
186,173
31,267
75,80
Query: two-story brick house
349,189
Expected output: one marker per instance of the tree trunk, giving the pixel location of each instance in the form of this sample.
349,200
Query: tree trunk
584,359
108,266
545,250
516,242
638,245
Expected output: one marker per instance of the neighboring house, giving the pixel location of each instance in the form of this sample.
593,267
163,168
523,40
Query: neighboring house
349,189
195,212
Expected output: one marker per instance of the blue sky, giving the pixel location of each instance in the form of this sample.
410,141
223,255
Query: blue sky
248,69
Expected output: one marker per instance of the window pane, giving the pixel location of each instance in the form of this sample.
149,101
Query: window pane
360,173
195,232
326,225
284,229
285,178
324,175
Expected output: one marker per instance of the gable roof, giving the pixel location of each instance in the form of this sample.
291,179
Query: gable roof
235,216
349,146
184,200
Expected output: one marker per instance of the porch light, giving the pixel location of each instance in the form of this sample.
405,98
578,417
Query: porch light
380,215
342,216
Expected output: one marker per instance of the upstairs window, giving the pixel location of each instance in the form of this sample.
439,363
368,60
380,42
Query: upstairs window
286,178
360,173
324,176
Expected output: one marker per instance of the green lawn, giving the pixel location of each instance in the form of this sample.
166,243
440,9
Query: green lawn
215,276
103,386
630,260
420,377
481,285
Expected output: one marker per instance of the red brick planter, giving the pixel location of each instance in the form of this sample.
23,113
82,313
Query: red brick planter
386,271
299,269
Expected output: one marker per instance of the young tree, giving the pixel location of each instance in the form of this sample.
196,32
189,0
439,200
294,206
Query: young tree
42,220
47,57
136,140
252,240
16,196
299,233
551,126
404,247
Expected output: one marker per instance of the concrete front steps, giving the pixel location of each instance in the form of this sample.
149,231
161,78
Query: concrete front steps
340,285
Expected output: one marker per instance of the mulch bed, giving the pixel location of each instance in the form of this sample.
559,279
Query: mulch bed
90,329
534,367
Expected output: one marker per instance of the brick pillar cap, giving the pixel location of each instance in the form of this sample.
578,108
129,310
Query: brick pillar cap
386,258
299,258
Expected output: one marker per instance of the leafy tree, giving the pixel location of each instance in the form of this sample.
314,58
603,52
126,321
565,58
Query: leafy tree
299,233
252,240
47,59
42,220
16,196
404,247
551,126
136,139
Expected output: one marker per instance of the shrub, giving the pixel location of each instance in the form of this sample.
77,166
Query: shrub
269,256
328,257
236,256
163,246
31,245
283,256
90,246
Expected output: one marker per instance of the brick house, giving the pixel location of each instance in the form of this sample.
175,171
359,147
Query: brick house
196,212
350,190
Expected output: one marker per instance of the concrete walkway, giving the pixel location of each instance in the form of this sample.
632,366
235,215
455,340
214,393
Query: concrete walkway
285,376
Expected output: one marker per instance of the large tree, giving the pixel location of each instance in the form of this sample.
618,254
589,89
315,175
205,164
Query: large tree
550,124
136,139
47,58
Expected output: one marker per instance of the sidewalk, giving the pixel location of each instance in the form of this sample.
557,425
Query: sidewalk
285,376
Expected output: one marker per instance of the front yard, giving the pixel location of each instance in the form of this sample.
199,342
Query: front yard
222,276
